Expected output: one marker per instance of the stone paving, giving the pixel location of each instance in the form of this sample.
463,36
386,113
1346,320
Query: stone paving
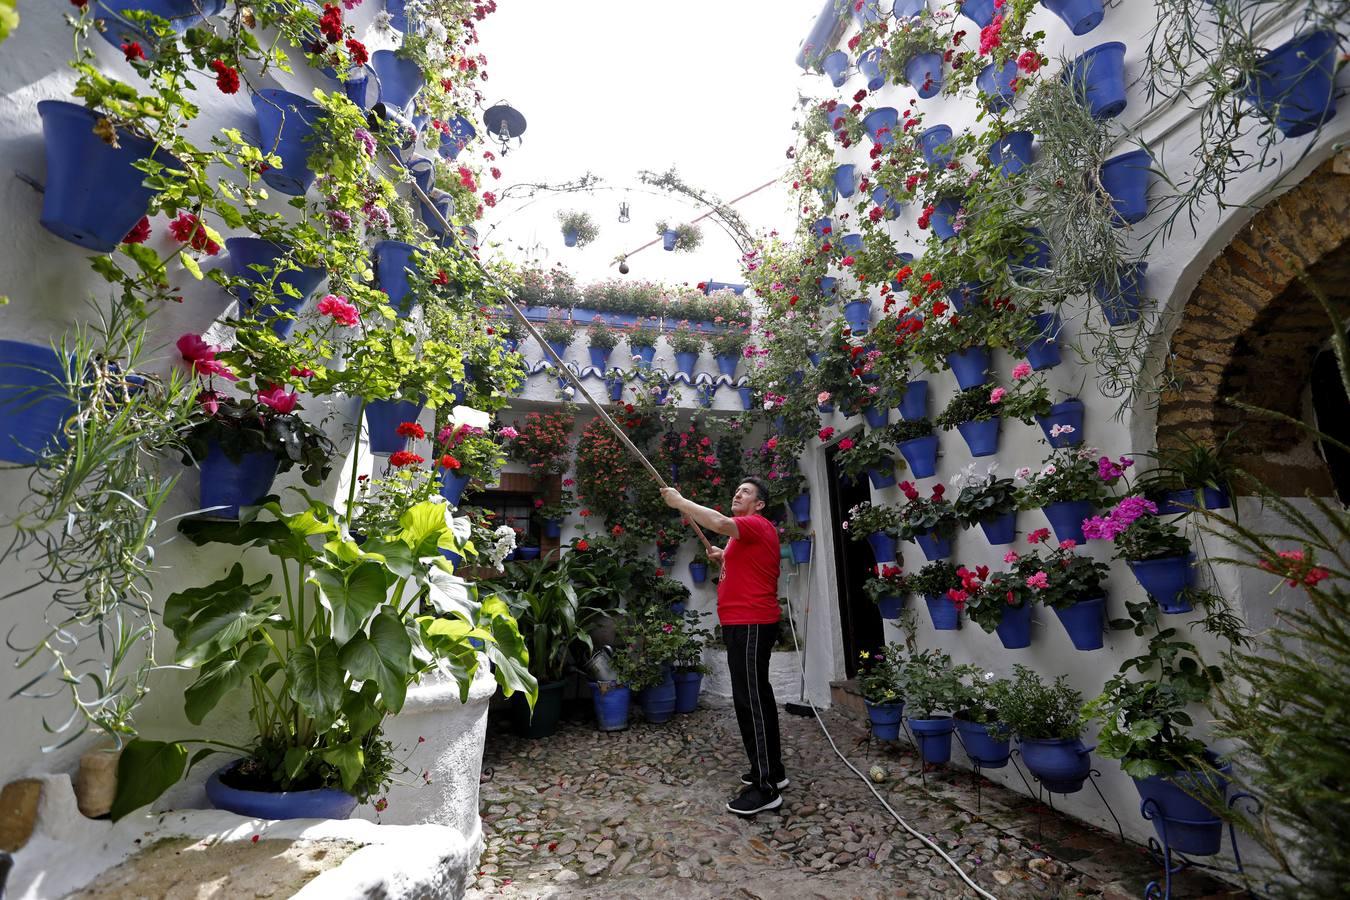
640,813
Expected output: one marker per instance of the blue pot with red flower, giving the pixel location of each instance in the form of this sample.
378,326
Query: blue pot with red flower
181,15
93,194
395,265
227,484
1099,78
923,72
1294,84
835,67
879,125
383,418
1063,427
1013,152
459,132
921,454
453,485
942,612
890,208
845,179
34,401
286,126
997,84
255,260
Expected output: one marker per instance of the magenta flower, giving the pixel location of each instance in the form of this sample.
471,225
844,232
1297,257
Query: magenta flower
279,399
1021,370
202,356
508,432
997,395
339,309
1039,581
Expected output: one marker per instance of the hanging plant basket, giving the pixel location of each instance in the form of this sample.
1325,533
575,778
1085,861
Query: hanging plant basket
845,180
286,124
1066,518
931,140
923,72
685,361
1084,623
869,64
800,506
400,79
1014,628
879,125
883,546
996,84
1294,84
1066,414
881,478
1001,529
34,405
934,546
382,420
228,485
981,12
248,253
835,66
890,207
890,606
876,416
943,219
1043,352
453,485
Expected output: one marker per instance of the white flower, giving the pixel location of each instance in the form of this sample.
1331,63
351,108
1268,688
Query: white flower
1049,470
1057,430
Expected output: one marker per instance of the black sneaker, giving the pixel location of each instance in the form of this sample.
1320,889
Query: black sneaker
749,778
753,800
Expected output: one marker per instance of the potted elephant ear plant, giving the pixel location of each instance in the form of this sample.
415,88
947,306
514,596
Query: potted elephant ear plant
1048,723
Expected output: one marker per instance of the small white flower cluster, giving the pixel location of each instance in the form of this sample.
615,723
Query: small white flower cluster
504,541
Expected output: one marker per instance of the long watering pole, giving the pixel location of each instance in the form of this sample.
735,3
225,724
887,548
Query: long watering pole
571,376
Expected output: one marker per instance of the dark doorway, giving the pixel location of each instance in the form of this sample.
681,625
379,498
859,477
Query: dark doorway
859,620
1331,410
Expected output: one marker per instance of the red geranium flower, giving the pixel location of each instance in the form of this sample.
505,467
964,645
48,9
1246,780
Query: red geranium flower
133,51
404,458
227,79
139,232
582,545
410,430
449,462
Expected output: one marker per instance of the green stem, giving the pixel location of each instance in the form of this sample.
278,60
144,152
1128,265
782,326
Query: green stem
356,459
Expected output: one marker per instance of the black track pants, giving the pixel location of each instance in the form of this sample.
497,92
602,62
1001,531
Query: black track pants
748,649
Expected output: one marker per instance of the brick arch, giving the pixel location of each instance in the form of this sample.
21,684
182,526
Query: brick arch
1250,331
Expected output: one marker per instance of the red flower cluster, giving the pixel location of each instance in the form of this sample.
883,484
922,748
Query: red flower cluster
227,79
187,228
1296,568
410,430
139,232
543,442
360,56
403,458
330,23
133,51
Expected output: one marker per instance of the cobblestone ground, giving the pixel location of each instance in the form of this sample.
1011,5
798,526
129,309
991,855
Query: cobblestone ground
640,813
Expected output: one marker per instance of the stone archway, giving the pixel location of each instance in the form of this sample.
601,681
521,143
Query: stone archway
1250,331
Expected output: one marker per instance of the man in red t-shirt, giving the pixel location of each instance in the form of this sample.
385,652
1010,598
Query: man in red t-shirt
747,607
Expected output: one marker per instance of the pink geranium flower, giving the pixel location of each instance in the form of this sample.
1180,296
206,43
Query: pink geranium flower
339,309
202,356
1021,370
997,395
1040,581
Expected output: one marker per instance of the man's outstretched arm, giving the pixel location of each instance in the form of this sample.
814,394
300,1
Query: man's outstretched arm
708,518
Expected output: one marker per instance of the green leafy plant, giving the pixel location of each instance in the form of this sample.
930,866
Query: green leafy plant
871,451
868,518
1036,711
1137,531
580,223
1069,577
981,698
890,582
553,614
1067,474
558,330
930,684
252,425
685,339
905,430
543,442
643,334
687,235
879,674
922,516
601,335
729,342
981,499
935,579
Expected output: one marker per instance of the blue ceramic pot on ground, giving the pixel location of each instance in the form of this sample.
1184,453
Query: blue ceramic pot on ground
1181,820
996,84
982,436
981,12
801,551
858,314
869,64
914,404
890,606
1121,307
934,546
1043,351
453,485
685,362
942,612
934,737
1294,84
885,719
698,572
658,703
400,79
726,364
1083,622
1013,152
923,72
1061,765
34,404
1080,15
1099,77
245,254
879,125
93,193
883,546
881,478
931,144
286,125
1125,178
845,180
835,67
382,420
1001,529
599,356
228,485
800,506
1066,518
989,752
687,687
394,265
943,219
970,366
1065,414
921,454
1165,579
611,701
1014,628
320,803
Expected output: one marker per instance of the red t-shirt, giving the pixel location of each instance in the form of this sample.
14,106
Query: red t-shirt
748,591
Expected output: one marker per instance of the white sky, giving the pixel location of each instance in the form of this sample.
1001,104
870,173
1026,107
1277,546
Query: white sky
615,86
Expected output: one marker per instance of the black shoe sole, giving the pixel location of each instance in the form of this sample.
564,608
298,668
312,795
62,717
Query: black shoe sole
782,785
772,804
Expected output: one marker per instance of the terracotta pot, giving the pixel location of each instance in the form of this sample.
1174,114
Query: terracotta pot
96,782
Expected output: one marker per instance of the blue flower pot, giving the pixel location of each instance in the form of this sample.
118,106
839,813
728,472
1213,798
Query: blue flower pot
1215,498
1083,622
890,606
726,364
1122,307
686,361
286,125
182,15
1099,77
245,254
880,125
1001,529
921,454
1294,84
1061,765
931,142
989,752
852,243
454,558
1179,502
394,264
1043,351
569,237
934,737
943,219
230,485
615,386
869,64
1080,15
553,528
453,485
865,12
970,366
881,478
835,67
934,546
1125,179
644,355
34,404
698,572
400,79
883,546
668,239
885,719
914,402
829,286
1013,152
905,9
93,194
923,72
527,553
687,687
460,134
889,206
1182,821
360,87
1066,518
611,705
819,229
981,436
658,703
1014,628
1068,413
398,16
845,180
800,507
599,356
942,612
382,420
876,416
981,12
1165,579
837,116
747,397
320,803
560,349
801,551
996,84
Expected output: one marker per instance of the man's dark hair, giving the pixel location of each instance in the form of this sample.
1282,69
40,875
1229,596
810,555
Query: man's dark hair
761,486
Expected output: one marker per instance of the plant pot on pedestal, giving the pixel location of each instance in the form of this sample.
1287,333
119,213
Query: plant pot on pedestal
990,752
934,737
1062,765
885,719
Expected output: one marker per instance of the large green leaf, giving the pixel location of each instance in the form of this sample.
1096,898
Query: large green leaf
361,714
218,678
351,595
451,595
9,17
422,527
510,661
316,680
348,759
181,605
223,622
385,658
146,770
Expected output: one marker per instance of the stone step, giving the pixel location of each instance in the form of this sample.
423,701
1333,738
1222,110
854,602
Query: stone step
846,697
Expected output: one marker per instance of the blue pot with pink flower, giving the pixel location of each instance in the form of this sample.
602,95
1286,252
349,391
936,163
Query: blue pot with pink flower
942,612
228,484
1066,518
1063,426
286,126
1165,579
943,218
